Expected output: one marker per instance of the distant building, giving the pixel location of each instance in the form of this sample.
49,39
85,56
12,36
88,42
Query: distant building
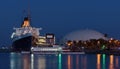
50,38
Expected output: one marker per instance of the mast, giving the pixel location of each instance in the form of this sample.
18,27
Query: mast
27,19
28,11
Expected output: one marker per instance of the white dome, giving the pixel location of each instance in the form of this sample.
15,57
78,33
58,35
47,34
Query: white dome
84,35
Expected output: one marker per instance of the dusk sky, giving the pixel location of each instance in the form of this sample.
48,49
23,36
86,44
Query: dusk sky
61,16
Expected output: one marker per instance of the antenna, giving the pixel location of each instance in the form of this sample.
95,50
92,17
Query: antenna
28,13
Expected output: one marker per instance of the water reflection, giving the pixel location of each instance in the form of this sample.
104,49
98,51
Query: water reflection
117,62
98,61
26,62
60,61
111,62
19,61
41,62
69,62
84,62
77,62
104,61
15,62
63,61
32,61
108,62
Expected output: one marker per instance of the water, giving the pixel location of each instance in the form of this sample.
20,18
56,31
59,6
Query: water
58,61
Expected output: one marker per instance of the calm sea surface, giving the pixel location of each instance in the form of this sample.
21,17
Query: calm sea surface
58,61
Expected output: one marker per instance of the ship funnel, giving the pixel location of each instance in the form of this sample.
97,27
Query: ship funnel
26,22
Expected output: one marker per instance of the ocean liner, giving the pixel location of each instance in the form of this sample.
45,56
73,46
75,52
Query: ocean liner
24,37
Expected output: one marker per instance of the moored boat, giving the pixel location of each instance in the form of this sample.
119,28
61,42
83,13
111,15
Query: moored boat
25,36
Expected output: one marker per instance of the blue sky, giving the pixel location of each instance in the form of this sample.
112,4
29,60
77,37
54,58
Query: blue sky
61,16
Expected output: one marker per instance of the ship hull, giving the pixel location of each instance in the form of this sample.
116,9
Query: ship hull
23,44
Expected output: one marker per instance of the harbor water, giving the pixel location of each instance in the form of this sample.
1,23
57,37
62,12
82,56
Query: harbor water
58,61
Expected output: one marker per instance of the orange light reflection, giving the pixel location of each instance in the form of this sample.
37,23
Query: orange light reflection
111,66
26,62
117,62
98,61
111,59
69,62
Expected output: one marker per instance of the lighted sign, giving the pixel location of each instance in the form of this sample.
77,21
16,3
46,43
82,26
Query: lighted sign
49,36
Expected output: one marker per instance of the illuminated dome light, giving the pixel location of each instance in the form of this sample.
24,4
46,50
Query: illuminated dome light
84,35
